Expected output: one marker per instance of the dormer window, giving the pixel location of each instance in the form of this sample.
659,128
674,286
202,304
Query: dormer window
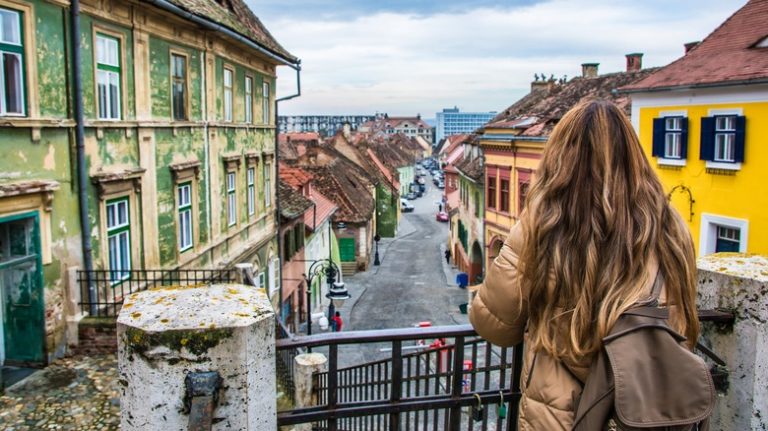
762,43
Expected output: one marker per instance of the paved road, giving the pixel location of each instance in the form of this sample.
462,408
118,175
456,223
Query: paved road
412,284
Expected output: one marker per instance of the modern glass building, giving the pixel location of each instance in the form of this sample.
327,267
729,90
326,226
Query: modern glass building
453,122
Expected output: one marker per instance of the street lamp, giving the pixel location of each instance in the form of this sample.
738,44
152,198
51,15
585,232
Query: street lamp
337,293
376,260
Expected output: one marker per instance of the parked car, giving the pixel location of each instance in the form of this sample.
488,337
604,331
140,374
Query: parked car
441,185
411,196
435,181
442,216
421,181
422,188
405,206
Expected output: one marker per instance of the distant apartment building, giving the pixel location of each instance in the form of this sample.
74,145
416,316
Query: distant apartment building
452,122
325,125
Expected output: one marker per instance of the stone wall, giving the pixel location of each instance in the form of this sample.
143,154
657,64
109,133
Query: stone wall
738,283
97,335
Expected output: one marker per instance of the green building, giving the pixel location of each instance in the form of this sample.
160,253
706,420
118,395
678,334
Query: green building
177,138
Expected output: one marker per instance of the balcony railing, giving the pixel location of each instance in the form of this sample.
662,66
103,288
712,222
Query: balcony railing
102,292
436,386
430,388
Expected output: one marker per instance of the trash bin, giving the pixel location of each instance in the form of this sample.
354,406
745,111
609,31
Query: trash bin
463,308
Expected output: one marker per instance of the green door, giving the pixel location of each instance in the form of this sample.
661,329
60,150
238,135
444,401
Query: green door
347,249
21,291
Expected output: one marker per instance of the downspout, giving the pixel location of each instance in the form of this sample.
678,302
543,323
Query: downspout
207,149
277,177
82,174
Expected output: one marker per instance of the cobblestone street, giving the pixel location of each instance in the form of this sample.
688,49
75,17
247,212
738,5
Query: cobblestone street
77,393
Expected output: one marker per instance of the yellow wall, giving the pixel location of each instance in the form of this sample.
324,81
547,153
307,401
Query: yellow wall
740,194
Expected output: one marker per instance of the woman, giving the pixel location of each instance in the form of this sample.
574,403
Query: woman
596,232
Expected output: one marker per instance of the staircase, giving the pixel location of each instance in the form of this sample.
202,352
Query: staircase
348,268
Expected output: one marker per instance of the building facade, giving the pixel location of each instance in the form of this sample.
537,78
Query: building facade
325,125
178,138
701,121
469,247
453,122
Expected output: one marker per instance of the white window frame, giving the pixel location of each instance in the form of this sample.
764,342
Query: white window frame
267,184
118,231
14,48
231,199
708,232
730,166
184,203
265,117
669,161
229,75
249,99
725,138
673,132
108,74
251,181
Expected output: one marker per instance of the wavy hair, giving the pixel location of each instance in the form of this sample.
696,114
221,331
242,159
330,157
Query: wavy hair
596,218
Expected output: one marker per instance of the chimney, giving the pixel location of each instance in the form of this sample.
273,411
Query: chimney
634,61
690,45
589,70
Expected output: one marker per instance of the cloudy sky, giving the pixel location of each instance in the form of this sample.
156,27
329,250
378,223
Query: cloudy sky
412,56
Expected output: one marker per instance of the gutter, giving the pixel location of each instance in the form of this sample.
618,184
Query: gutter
694,86
277,171
214,26
82,174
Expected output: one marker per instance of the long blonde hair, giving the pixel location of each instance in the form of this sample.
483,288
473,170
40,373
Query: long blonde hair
596,217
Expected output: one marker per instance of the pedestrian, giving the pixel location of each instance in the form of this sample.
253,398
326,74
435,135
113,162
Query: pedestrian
596,235
448,256
337,323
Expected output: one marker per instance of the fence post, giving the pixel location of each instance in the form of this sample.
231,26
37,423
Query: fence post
305,366
167,335
740,283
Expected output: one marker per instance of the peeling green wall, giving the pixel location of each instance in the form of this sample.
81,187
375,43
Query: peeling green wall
52,79
160,78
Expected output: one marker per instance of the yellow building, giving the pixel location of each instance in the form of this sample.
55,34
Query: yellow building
702,122
514,140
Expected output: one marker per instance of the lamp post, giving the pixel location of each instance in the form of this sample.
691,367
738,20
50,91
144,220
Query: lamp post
337,293
376,260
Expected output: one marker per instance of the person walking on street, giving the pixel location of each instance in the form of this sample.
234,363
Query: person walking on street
337,322
596,235
448,256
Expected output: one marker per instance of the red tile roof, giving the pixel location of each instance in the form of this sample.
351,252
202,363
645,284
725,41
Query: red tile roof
324,208
295,177
728,56
298,136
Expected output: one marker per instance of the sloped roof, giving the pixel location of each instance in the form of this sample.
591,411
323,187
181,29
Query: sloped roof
537,113
471,168
237,16
298,137
292,203
729,55
324,208
294,177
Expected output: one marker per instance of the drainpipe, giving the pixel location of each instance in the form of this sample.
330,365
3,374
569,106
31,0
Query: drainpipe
82,174
277,177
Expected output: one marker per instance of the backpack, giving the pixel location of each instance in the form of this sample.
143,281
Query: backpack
644,378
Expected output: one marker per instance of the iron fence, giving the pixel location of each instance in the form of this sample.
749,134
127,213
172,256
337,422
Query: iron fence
439,386
102,292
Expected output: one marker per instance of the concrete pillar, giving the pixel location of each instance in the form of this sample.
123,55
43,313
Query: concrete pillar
738,282
168,333
305,365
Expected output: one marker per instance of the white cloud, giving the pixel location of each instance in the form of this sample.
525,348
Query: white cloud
482,59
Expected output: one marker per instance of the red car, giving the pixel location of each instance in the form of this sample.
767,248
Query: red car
442,216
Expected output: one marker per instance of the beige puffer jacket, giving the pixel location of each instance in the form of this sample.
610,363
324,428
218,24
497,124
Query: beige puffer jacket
498,314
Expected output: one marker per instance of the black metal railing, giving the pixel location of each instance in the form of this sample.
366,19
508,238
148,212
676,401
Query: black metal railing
284,361
439,386
102,292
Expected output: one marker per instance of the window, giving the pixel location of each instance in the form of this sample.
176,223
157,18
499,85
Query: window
673,129
522,195
231,199
725,138
251,173
670,139
728,239
504,201
492,192
179,86
108,76
267,184
119,240
722,141
265,103
248,99
227,94
11,63
184,192
477,204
